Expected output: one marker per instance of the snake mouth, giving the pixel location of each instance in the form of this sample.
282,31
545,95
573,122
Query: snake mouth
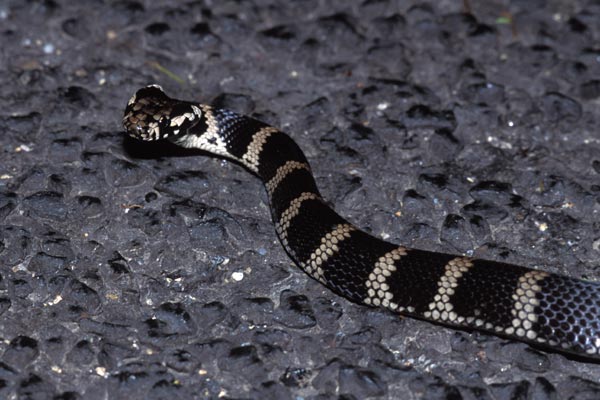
152,115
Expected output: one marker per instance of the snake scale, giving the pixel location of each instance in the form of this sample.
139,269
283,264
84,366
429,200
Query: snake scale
548,310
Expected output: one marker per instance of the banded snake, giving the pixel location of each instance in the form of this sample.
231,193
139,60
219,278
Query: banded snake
530,305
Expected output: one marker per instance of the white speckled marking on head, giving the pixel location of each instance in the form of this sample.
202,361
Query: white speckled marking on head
190,116
211,139
153,130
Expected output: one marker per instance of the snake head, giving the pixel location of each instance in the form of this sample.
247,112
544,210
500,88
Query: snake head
152,115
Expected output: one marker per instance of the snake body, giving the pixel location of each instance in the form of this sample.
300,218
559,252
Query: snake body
553,311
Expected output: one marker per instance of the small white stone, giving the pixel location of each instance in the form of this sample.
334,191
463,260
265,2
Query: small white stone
383,106
101,371
48,48
237,276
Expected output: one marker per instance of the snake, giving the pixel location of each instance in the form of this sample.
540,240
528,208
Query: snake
555,312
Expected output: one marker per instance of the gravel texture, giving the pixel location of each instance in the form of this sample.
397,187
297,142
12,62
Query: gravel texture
140,271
